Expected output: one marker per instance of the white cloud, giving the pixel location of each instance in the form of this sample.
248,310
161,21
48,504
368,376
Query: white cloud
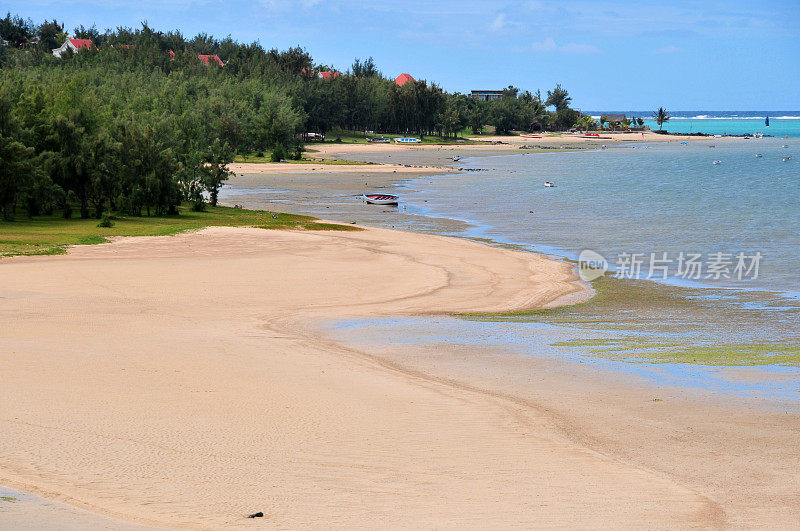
549,45
499,22
669,49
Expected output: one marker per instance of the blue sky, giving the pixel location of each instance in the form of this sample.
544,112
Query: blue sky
616,55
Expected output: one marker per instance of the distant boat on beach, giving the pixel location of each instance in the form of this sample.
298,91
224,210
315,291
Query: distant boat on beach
406,140
380,199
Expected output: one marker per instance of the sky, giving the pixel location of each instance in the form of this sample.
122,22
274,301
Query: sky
610,55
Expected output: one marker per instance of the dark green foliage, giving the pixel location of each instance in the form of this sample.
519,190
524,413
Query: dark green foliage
129,127
558,98
106,222
278,154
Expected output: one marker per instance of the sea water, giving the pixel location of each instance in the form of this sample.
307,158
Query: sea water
647,209
781,123
652,200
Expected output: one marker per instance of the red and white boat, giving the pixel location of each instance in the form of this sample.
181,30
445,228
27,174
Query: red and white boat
380,199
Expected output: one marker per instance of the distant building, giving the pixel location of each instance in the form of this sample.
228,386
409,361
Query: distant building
208,59
486,95
612,118
74,45
403,78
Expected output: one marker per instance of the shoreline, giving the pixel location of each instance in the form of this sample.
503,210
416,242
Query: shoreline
537,411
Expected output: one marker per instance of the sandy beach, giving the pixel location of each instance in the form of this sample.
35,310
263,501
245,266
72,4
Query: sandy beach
438,158
189,381
181,381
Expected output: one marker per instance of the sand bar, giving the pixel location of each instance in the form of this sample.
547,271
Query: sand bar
182,381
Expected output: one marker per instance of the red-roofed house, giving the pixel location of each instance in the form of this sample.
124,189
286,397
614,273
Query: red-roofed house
329,75
402,79
74,45
208,59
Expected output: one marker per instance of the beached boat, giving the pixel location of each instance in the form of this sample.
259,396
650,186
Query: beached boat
380,199
407,140
378,140
530,136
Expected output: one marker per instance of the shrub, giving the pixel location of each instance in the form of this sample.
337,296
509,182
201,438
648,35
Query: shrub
297,153
106,222
199,206
278,154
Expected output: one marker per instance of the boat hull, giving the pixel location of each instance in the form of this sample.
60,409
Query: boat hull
380,199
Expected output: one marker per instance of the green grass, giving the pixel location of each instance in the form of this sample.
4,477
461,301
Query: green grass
52,235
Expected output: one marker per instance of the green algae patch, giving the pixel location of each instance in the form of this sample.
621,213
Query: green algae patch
644,321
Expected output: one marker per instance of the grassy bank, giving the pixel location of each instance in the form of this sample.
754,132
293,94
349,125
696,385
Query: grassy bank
52,235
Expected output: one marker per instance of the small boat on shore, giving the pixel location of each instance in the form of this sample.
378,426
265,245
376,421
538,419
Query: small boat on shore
380,199
407,140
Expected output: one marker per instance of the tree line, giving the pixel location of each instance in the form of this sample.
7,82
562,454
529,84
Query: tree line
138,125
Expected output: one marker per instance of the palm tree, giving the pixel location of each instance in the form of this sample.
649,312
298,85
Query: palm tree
661,116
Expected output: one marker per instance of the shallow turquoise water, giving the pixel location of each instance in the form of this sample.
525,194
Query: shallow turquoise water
781,123
778,127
